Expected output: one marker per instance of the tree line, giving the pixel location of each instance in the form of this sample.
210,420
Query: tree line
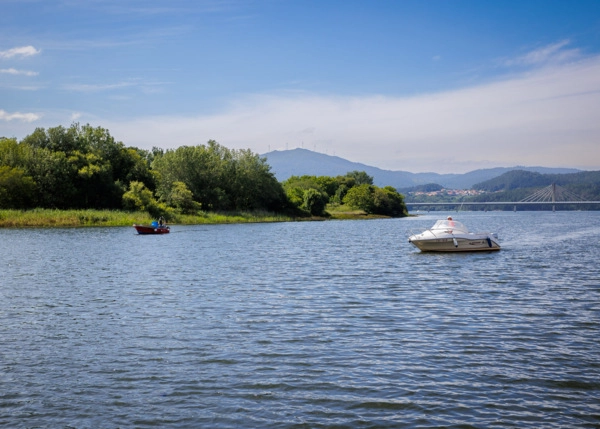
83,167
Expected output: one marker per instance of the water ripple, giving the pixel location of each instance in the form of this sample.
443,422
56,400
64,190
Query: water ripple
316,325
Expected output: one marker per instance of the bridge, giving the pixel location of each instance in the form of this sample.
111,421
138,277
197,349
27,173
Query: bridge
553,195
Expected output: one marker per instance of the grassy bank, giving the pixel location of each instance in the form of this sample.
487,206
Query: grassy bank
69,218
344,212
80,218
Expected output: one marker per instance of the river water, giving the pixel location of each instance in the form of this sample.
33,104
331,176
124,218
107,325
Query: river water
302,325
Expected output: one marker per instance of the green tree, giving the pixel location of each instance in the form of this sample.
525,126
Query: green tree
93,180
54,178
16,188
314,202
388,202
79,166
195,166
133,164
138,197
297,187
14,154
182,198
57,139
250,183
361,177
361,197
374,200
340,193
219,178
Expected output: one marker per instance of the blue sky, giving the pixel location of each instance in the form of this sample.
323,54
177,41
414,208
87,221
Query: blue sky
445,86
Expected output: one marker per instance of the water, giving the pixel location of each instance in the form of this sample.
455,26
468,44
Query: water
302,325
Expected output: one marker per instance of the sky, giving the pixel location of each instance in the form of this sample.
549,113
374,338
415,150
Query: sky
445,86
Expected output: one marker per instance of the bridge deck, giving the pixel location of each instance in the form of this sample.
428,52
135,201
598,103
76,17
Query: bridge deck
503,203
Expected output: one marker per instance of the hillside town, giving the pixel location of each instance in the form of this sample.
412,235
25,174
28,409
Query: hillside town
448,192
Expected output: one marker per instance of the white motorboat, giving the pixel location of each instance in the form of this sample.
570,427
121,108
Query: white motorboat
448,235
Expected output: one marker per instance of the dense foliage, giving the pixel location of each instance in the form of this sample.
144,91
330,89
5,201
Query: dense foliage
217,178
313,193
76,167
82,167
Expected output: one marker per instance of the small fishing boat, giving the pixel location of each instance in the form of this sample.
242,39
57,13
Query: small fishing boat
448,235
155,228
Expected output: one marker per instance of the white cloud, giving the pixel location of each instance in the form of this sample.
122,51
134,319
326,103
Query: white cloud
22,51
18,116
545,117
18,72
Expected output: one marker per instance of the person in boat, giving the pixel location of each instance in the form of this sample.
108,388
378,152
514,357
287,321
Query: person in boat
450,221
161,221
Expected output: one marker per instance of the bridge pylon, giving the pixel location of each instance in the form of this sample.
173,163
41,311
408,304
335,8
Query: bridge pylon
552,194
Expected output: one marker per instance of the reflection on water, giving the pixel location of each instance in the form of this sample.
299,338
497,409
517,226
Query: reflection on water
331,324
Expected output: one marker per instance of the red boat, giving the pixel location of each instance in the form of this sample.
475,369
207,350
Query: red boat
145,229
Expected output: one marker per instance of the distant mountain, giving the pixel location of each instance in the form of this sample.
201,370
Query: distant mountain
299,162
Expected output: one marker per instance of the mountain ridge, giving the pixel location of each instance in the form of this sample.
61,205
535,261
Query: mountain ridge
299,162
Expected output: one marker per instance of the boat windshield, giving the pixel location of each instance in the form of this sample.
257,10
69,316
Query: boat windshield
450,225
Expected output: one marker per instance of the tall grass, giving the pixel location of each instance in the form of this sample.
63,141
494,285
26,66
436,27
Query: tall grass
79,218
231,217
69,218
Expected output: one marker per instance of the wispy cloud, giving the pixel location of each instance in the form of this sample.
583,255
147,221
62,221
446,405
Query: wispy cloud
18,72
119,7
146,86
22,51
554,53
82,87
18,116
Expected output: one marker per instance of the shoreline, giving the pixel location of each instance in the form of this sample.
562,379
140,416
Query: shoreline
52,218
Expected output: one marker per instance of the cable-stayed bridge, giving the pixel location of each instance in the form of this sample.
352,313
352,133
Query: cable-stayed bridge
552,195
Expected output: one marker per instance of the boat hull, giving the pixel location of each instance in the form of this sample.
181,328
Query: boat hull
455,244
151,230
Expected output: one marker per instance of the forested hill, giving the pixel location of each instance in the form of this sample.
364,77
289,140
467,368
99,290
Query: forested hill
529,179
515,185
